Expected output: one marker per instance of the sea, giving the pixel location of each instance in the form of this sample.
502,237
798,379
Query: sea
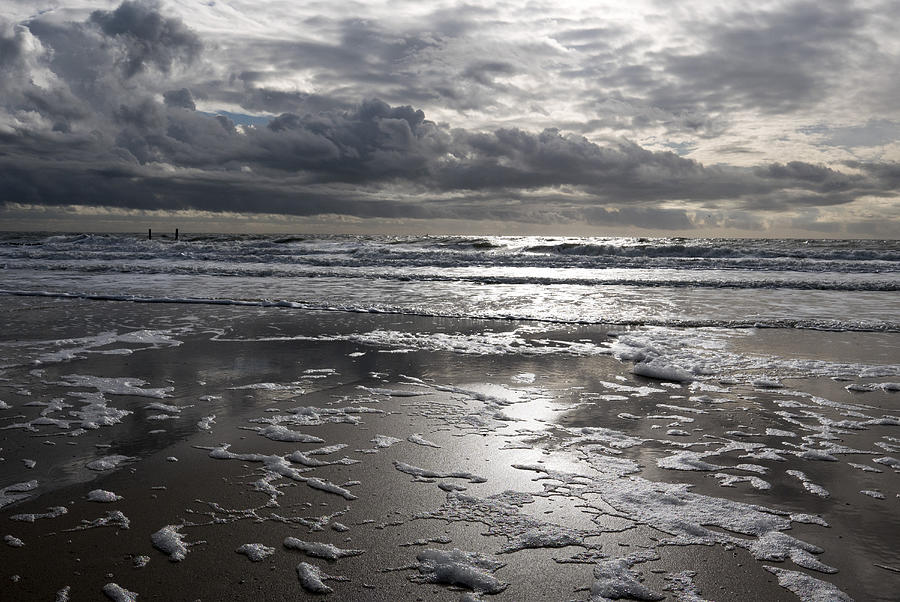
837,285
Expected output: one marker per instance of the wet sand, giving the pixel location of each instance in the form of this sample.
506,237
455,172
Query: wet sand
509,440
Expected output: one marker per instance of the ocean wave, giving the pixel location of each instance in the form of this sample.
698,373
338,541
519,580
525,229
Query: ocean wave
451,252
670,278
381,308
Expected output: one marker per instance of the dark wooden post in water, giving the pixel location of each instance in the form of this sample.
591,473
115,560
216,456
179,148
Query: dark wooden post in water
149,234
176,233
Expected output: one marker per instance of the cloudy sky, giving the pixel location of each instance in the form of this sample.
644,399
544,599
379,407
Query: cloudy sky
694,117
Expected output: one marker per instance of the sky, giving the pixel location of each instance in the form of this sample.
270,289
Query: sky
645,117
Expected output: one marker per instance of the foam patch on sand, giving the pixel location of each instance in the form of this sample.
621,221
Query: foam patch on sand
256,552
114,518
52,512
808,588
115,386
95,413
423,473
615,579
689,518
456,567
315,416
77,348
808,484
117,593
109,462
312,578
729,480
17,492
418,439
384,441
317,549
483,343
502,516
101,495
170,541
659,369
704,353
276,432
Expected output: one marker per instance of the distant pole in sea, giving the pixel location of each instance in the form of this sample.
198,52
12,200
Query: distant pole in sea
176,233
149,233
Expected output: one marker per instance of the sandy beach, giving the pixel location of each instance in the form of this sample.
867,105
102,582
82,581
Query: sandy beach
449,458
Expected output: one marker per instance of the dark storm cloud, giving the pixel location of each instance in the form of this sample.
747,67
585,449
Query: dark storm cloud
115,127
148,38
180,98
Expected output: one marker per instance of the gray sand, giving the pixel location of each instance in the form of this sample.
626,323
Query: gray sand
496,433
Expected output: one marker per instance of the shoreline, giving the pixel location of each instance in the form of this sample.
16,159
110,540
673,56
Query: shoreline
489,413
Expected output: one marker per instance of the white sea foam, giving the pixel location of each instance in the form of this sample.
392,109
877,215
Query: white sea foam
807,484
276,432
114,518
682,408
777,546
728,480
418,439
706,353
256,552
770,432
688,460
456,567
660,370
312,579
889,461
314,416
163,407
101,495
115,386
329,487
117,593
170,541
272,462
383,441
109,462
393,392
13,542
422,473
328,449
320,550
16,492
268,386
502,515
808,588
863,467
615,579
484,343
52,512
141,561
